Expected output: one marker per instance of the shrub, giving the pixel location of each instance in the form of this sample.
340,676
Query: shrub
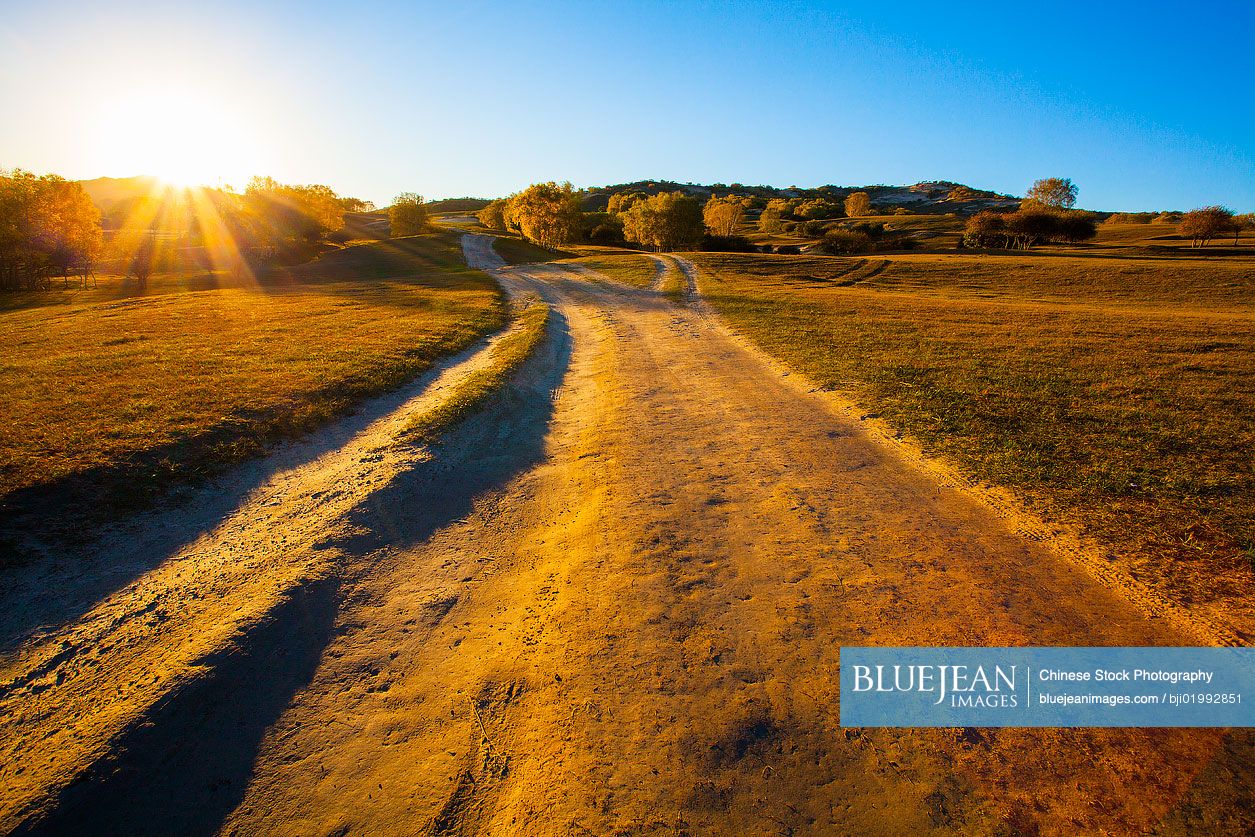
845,242
727,244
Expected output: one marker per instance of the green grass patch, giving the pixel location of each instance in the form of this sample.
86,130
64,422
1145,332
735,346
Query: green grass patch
1115,395
507,356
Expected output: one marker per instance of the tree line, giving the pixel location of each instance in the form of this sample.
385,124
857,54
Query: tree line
550,214
50,227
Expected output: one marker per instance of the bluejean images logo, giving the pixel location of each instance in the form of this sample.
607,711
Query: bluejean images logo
1048,687
964,686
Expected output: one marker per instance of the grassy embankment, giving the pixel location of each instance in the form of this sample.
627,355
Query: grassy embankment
1114,394
507,356
111,397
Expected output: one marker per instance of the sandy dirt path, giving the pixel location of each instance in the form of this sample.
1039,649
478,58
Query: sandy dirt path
613,602
99,644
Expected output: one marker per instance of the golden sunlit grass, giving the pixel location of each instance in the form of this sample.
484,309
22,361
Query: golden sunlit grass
630,268
1113,394
109,398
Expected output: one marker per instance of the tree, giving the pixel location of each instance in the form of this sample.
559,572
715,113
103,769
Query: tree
356,205
723,216
665,221
492,216
817,209
621,202
1055,192
47,224
769,221
1242,222
284,215
547,214
843,242
143,260
407,215
1202,225
1075,227
986,229
858,204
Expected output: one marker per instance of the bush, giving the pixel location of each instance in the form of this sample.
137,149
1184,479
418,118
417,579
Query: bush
845,242
727,244
608,234
789,250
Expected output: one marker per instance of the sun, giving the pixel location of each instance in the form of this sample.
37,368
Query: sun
183,137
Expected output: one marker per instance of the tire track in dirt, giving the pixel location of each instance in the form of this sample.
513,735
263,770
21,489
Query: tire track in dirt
219,584
1066,544
640,633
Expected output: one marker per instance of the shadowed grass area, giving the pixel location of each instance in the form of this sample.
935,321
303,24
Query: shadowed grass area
507,357
519,251
1115,395
112,398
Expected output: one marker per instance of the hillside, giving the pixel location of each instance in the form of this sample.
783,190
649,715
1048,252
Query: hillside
108,192
927,197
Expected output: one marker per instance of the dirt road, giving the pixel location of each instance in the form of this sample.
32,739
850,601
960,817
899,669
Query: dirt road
610,603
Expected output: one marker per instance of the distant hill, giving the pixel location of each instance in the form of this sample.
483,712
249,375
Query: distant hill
458,205
107,192
928,197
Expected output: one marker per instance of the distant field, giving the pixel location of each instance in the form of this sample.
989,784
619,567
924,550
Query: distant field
1116,394
110,397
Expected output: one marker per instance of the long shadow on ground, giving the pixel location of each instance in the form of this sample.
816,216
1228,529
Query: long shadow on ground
185,766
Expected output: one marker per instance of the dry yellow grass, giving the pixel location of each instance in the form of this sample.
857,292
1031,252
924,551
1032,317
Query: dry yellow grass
111,397
1113,394
514,348
629,268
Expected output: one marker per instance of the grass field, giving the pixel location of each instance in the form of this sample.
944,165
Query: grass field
110,397
519,251
629,268
1114,394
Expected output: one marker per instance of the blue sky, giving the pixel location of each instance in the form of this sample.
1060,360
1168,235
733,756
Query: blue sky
474,98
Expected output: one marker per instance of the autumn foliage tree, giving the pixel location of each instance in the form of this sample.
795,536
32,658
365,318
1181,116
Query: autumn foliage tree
286,216
621,202
1054,192
666,221
547,214
723,216
858,204
1245,221
408,215
1031,225
492,216
48,226
770,220
1202,225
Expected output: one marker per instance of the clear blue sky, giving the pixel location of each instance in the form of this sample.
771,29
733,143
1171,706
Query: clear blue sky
1145,105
